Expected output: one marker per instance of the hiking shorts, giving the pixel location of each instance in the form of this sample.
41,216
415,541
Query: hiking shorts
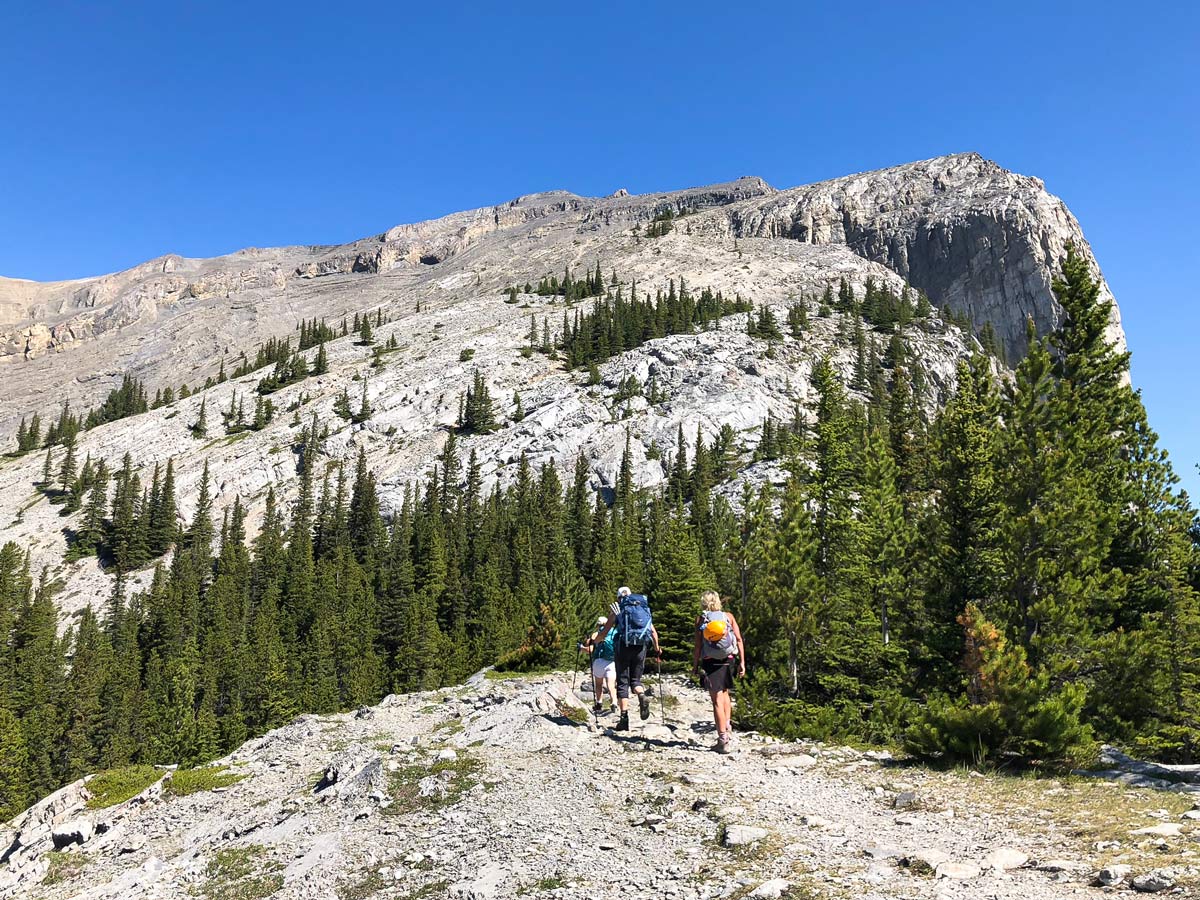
631,662
604,669
718,674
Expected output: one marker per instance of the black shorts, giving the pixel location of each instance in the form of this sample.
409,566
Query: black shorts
718,674
631,662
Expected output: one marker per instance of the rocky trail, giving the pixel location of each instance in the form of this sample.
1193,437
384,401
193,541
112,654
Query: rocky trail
509,787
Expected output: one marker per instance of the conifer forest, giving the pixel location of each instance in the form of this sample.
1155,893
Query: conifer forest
1013,579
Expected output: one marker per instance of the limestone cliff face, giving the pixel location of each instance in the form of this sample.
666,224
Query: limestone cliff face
971,234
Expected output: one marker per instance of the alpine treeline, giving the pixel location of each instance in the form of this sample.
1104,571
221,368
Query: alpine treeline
1014,579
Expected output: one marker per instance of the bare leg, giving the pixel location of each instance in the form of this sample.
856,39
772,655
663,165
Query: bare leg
597,688
716,705
611,681
726,712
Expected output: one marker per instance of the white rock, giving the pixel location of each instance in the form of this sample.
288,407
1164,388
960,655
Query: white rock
1005,858
957,871
741,835
1165,829
77,831
771,890
1154,881
484,886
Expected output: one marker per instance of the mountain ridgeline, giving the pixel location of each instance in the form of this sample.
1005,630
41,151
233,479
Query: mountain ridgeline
910,460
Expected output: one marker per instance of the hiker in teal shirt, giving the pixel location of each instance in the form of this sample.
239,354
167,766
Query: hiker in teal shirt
604,668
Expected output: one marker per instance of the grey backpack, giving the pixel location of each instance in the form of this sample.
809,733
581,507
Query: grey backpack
726,646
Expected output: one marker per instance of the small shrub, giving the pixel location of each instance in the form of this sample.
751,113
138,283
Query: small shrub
1009,709
191,781
241,873
467,354
455,777
118,785
63,866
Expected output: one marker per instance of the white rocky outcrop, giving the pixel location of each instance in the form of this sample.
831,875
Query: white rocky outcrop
488,791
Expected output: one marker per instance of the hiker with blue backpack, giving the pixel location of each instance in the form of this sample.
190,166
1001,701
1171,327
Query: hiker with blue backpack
629,617
603,654
717,649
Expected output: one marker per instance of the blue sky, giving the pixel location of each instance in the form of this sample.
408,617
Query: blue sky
136,129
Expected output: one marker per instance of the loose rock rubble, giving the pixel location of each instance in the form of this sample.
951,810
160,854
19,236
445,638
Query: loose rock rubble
494,790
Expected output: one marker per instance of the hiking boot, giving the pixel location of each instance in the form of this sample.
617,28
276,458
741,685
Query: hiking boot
643,706
623,723
725,743
597,708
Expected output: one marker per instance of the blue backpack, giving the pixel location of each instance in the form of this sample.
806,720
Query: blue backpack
634,624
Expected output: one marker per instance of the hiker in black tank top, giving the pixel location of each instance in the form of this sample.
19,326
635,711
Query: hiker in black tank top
718,648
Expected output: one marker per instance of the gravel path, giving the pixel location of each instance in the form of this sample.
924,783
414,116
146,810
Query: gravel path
494,790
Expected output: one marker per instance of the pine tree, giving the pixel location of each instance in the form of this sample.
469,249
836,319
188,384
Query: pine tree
478,416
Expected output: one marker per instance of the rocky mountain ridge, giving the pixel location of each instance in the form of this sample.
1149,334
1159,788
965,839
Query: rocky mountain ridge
972,235
505,788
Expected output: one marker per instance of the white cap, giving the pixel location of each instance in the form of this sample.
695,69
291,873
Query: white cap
602,620
623,592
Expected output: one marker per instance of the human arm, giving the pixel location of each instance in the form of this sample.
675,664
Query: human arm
737,636
657,648
612,620
696,648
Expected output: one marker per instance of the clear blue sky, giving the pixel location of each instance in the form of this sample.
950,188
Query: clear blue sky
136,129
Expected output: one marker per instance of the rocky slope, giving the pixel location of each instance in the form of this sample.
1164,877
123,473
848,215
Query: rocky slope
500,789
964,230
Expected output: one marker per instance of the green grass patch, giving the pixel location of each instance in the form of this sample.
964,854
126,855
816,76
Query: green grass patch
192,781
64,866
240,873
118,785
427,891
367,886
542,885
455,777
577,714
497,675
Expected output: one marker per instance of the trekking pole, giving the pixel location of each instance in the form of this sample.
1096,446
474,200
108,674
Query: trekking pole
662,704
575,668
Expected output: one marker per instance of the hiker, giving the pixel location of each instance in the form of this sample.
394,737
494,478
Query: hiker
602,652
718,646
635,633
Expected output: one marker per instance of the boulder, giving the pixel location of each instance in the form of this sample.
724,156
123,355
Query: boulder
77,831
957,871
742,835
1163,829
352,775
906,800
1004,858
1111,876
484,886
1153,881
770,890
